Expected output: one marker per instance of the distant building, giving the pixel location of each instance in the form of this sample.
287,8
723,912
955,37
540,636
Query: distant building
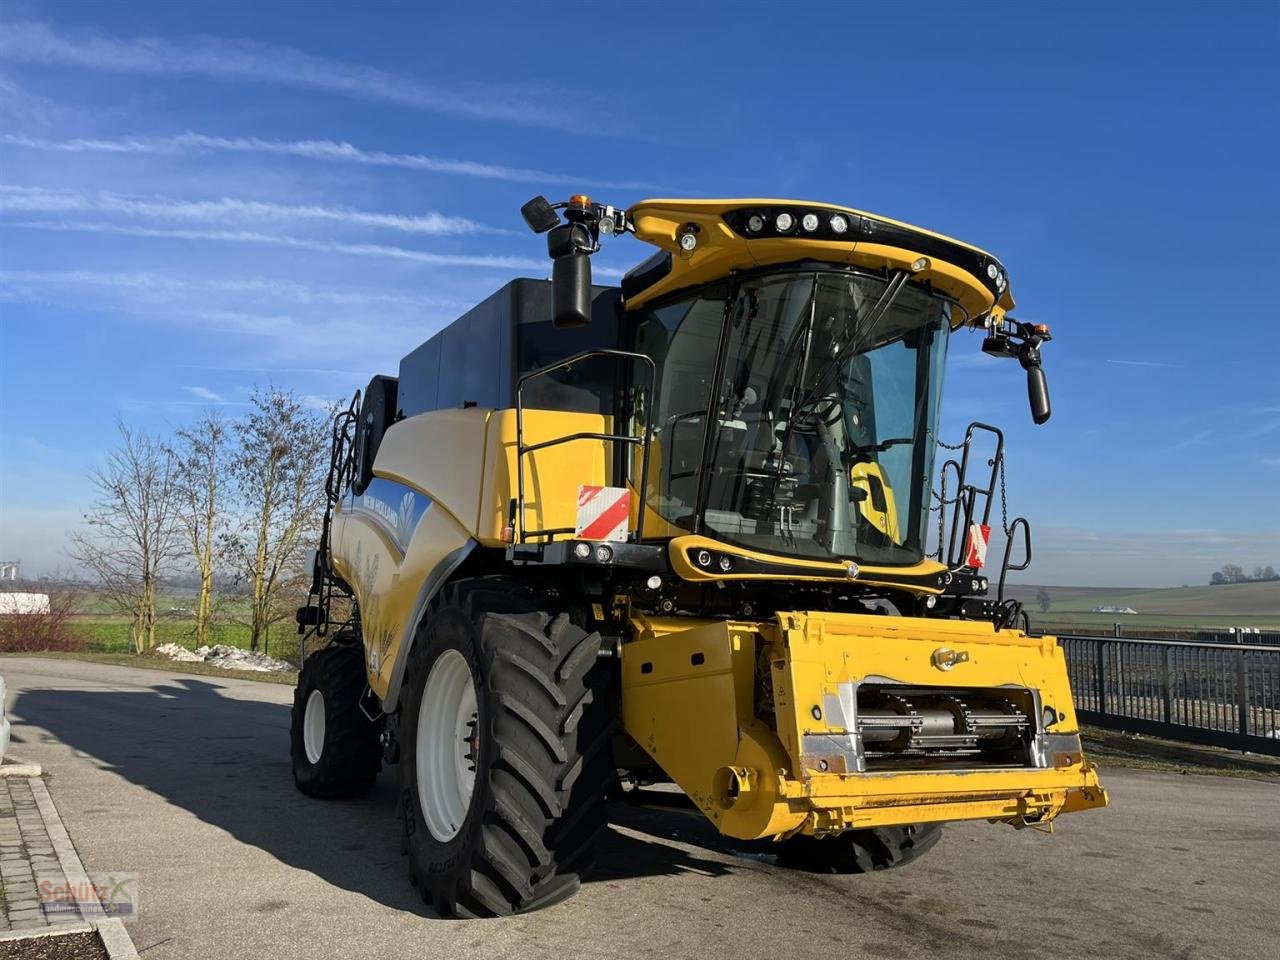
1127,610
11,570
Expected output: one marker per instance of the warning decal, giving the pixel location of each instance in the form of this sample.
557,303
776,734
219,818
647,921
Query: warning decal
603,513
975,552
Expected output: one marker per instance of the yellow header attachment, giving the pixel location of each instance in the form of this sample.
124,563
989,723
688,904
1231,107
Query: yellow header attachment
708,239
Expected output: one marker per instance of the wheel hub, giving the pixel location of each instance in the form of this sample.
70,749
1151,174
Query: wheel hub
448,745
313,727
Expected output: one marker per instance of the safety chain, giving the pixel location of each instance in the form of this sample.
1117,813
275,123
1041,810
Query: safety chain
1004,498
941,497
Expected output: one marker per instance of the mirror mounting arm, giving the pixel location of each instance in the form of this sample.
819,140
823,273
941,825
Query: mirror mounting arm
1013,338
570,246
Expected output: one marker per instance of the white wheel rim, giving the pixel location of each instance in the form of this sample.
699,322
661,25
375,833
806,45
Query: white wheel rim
313,726
448,745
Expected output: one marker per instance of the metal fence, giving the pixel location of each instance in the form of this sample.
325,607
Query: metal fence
1227,695
1246,635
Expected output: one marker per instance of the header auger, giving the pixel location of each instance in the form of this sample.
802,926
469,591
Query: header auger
677,531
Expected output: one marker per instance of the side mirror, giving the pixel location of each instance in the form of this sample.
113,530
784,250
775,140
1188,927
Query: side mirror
1038,394
571,291
570,245
1037,385
539,215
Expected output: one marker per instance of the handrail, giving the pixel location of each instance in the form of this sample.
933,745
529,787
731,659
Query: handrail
630,439
967,493
1262,647
1222,694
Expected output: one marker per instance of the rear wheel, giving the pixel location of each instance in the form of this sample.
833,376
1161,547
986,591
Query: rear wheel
859,851
334,746
505,723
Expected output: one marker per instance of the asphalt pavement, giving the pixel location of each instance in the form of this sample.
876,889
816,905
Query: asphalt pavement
185,781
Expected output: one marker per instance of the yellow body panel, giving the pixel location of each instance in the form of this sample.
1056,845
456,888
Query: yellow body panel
441,453
688,683
720,250
552,475
387,582
461,463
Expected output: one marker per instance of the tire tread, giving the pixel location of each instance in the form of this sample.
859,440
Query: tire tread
552,719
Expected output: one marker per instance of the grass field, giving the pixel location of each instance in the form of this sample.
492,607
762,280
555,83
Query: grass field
112,634
106,631
1229,605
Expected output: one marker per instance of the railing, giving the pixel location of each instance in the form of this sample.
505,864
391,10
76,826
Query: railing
1226,695
1047,623
524,449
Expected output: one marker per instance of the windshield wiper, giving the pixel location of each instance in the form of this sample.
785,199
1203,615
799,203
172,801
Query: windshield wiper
878,312
880,447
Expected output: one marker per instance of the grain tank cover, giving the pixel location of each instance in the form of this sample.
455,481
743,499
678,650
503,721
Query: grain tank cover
476,360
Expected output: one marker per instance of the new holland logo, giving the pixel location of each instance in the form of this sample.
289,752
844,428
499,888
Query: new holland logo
392,507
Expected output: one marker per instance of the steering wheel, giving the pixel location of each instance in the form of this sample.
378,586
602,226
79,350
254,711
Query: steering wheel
829,410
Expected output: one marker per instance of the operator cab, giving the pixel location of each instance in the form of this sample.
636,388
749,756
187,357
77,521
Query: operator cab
822,383
779,420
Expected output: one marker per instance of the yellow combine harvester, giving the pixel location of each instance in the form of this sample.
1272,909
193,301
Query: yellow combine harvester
599,538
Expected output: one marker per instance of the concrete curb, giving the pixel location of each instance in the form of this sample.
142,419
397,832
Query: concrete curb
58,931
111,929
13,767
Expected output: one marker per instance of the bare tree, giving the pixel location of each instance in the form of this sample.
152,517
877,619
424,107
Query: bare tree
1044,599
200,456
278,468
1232,573
132,532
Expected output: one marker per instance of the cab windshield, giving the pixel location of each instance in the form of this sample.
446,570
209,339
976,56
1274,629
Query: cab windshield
823,389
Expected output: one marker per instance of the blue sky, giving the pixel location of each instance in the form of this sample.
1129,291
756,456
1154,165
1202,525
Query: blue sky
195,199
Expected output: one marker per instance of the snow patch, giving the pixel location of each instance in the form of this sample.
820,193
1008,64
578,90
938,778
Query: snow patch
224,656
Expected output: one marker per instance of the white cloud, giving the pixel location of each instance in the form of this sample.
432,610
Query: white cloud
204,393
305,243
1143,363
301,243
331,151
224,210
313,402
167,287
252,62
1195,440
17,103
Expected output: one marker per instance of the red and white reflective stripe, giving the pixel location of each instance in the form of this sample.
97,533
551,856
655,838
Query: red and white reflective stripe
975,551
603,513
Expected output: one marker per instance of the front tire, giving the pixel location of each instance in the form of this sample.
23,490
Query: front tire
859,851
505,723
334,746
